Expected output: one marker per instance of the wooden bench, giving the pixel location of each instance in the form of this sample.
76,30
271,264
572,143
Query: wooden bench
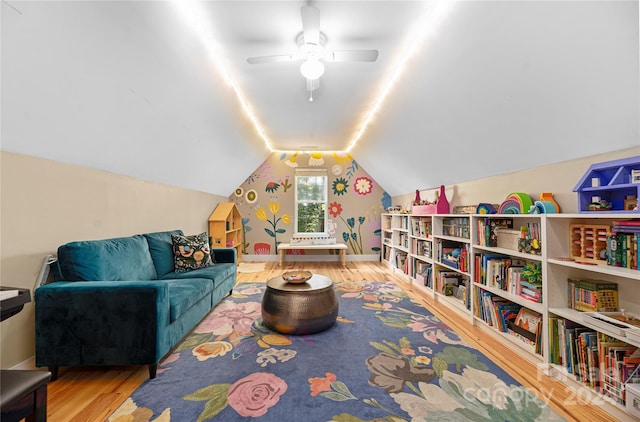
282,247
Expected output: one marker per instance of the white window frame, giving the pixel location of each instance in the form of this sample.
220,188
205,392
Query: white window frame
313,172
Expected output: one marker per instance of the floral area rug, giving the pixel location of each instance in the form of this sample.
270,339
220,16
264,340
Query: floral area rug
250,267
386,359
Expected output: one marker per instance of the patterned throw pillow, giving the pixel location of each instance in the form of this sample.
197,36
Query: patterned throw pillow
191,252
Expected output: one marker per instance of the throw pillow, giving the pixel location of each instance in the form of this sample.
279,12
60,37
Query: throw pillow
191,252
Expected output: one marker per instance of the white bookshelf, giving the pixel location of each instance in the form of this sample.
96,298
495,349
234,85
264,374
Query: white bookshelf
555,241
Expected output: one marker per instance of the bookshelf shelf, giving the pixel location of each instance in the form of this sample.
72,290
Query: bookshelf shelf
556,236
528,350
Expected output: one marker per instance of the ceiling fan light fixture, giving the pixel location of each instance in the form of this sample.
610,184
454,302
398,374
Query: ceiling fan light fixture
312,68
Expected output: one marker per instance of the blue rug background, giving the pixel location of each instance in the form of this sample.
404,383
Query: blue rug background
387,358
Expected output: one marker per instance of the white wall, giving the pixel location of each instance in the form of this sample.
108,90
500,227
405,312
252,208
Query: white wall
45,204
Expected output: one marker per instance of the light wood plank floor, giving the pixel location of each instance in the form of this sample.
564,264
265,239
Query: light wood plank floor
92,393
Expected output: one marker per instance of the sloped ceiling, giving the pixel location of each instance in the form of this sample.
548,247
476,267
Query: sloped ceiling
499,86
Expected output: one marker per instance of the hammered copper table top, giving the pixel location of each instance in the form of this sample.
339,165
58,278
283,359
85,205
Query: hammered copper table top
316,282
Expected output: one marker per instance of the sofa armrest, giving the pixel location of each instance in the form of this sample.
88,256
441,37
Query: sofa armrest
101,322
225,255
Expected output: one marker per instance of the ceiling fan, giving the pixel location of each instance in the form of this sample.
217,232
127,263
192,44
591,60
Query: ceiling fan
312,52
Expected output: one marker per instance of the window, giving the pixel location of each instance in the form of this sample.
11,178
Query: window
311,200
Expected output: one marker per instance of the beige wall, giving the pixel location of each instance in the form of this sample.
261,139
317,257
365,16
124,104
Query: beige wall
45,204
559,179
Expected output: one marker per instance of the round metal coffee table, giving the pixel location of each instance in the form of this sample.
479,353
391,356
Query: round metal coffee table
300,308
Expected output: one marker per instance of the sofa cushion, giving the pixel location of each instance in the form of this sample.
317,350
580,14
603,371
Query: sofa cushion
185,293
217,273
161,249
124,258
191,252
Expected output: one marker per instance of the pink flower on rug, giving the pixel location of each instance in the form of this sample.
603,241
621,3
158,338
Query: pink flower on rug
229,317
255,394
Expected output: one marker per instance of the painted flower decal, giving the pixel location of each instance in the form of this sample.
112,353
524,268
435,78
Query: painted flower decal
253,395
261,215
291,162
274,207
251,196
335,209
239,192
272,187
363,185
261,248
316,159
342,157
340,186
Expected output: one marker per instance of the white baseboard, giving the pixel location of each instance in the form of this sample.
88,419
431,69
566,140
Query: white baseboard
26,364
309,258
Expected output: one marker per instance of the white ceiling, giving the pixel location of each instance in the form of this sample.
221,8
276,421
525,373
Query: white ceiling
129,88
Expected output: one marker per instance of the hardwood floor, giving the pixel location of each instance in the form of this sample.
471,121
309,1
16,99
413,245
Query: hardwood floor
92,393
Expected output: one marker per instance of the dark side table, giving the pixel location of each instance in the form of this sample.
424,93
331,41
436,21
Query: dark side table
23,393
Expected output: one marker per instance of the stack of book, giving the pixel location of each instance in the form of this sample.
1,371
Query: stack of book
531,291
592,295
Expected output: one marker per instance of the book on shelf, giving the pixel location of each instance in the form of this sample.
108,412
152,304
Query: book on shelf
401,261
454,255
622,249
592,295
422,272
497,311
500,271
447,280
456,227
486,230
527,326
530,291
422,227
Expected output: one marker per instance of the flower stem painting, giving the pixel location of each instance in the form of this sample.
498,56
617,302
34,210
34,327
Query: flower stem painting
274,208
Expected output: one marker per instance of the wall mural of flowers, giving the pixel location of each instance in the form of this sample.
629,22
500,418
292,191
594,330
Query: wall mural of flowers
268,195
354,236
274,231
340,186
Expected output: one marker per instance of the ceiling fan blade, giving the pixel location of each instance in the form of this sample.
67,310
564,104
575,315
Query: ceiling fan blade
310,24
273,59
352,56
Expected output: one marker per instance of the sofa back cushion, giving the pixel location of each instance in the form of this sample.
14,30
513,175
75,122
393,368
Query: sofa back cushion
124,258
161,249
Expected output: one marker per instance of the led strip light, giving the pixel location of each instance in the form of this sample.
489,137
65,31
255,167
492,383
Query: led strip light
194,17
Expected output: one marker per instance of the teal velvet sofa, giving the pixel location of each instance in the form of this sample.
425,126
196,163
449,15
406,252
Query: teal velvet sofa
120,302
